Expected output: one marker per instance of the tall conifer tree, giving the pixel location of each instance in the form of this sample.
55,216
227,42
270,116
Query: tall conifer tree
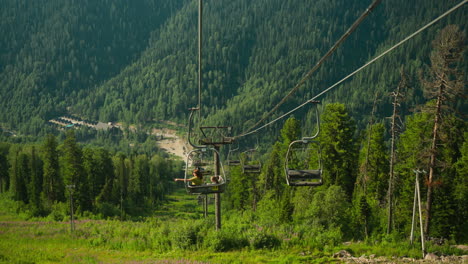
446,84
339,151
52,184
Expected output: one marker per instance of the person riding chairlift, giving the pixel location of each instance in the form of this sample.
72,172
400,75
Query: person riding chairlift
197,178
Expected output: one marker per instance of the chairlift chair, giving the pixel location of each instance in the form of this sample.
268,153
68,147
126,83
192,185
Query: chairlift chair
232,159
249,165
303,162
300,171
205,188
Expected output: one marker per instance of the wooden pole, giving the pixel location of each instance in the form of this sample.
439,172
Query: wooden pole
217,195
205,205
417,198
413,222
72,225
420,213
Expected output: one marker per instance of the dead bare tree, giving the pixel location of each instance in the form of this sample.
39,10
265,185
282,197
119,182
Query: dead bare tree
398,95
445,85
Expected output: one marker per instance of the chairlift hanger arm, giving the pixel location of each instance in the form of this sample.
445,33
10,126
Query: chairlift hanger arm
317,120
192,110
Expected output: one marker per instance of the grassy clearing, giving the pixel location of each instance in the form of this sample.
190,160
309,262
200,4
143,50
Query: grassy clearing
178,234
51,242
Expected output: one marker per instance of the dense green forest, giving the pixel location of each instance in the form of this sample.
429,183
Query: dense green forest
104,183
136,64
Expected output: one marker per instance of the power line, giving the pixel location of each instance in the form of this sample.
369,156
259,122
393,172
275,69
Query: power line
359,69
322,60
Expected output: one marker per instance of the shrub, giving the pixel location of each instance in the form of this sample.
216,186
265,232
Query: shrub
59,212
107,210
262,240
184,236
318,237
225,240
161,238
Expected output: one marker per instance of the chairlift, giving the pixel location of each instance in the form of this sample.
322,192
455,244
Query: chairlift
303,162
249,164
206,188
232,158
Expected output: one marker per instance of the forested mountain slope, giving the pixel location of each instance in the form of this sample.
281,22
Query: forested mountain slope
53,52
137,61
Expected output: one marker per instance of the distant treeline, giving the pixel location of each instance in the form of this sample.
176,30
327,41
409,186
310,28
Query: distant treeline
43,176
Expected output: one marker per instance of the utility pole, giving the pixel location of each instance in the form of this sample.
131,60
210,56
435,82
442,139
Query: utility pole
70,189
417,201
205,205
217,195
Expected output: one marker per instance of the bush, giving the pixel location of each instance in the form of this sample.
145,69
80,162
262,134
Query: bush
262,240
184,236
225,240
59,212
107,210
318,237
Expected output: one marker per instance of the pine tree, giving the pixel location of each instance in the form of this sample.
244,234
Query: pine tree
22,178
445,85
375,163
74,173
238,196
339,151
52,185
35,184
4,167
460,193
413,148
273,177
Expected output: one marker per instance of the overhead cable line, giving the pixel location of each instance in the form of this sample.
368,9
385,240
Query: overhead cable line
200,15
359,69
322,60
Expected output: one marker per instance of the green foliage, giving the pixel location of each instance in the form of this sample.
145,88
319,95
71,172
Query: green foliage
373,175
321,238
269,210
136,62
59,212
225,240
107,210
461,191
412,149
185,236
329,208
238,197
260,239
291,131
338,147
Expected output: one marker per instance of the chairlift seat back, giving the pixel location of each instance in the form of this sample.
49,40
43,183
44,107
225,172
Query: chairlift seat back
206,188
252,168
305,174
233,162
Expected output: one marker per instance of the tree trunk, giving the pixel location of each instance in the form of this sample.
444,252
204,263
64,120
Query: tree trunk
433,158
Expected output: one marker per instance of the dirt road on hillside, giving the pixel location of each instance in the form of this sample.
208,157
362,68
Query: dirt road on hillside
172,143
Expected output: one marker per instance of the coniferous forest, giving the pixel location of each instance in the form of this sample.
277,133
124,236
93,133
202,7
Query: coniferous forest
132,68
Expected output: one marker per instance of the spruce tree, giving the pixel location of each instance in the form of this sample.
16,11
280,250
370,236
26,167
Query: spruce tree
460,193
445,85
35,184
74,173
52,184
22,178
4,166
339,151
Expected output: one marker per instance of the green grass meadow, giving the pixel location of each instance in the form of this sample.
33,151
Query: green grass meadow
178,234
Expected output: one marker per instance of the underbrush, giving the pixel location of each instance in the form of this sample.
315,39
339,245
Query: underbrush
241,240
